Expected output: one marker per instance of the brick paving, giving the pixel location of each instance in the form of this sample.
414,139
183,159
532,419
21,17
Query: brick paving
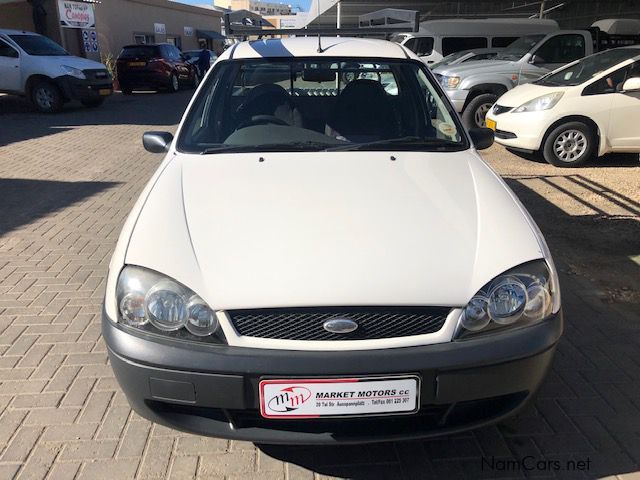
67,182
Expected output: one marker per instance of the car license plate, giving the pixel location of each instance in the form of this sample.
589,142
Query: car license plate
137,64
104,91
339,397
491,124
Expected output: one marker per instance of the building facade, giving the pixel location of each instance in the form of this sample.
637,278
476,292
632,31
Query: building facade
266,9
99,28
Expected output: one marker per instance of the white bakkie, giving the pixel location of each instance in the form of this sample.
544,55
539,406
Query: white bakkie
588,108
322,239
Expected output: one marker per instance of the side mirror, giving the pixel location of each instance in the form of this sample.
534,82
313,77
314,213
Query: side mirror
536,60
157,142
482,137
631,85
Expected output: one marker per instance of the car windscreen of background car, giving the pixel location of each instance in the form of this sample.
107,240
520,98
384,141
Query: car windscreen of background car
38,45
517,49
140,52
287,104
589,67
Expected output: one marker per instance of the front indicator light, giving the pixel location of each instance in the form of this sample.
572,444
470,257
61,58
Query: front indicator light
201,320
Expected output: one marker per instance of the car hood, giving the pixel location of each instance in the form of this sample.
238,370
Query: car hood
75,62
469,68
524,93
319,229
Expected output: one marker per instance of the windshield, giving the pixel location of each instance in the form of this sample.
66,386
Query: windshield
519,48
312,105
38,45
588,67
449,58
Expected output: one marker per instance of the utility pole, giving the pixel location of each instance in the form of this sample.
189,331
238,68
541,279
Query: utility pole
542,8
339,15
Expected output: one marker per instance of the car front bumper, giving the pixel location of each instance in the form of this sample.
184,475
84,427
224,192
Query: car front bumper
458,98
76,89
213,390
523,131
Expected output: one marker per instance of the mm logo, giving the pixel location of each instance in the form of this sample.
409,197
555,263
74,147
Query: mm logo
289,399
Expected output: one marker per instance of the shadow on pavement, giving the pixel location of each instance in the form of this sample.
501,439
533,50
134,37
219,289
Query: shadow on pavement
22,201
20,122
585,420
608,160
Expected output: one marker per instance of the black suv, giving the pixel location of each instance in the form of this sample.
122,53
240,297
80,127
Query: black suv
156,66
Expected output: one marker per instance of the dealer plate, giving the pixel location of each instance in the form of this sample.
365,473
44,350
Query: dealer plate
491,124
104,91
339,397
136,64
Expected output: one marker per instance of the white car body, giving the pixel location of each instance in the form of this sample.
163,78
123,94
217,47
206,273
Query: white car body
334,240
616,114
60,78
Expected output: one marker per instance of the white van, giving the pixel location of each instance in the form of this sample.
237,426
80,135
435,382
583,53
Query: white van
438,38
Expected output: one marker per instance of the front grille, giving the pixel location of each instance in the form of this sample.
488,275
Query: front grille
498,109
307,323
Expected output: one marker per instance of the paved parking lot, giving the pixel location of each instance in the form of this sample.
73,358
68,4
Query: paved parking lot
68,181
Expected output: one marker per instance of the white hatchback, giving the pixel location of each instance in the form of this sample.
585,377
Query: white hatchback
588,108
323,256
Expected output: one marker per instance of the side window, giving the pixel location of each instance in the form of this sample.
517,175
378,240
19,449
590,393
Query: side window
613,82
421,46
561,49
7,50
456,44
501,42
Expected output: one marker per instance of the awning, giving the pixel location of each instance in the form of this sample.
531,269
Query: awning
210,35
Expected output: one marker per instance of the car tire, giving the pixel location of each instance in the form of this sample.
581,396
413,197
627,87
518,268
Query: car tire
174,84
571,144
477,109
92,102
47,97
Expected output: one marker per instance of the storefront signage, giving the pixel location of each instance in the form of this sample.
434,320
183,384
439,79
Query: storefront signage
188,31
159,29
76,14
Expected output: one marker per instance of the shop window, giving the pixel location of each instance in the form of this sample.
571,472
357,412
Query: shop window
143,38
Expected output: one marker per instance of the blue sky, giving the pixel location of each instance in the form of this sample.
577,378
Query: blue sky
304,4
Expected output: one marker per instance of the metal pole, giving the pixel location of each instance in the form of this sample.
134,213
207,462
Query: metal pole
542,8
339,15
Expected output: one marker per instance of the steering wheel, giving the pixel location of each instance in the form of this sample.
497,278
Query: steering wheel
262,120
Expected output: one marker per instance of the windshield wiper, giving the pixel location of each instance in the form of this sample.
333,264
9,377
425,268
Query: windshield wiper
266,147
411,141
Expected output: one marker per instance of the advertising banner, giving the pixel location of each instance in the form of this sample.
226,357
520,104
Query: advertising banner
76,14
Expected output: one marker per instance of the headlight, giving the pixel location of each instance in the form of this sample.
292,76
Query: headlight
522,296
544,102
450,82
74,72
157,304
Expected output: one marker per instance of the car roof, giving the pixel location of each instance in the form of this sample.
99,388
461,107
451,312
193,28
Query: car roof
7,31
308,47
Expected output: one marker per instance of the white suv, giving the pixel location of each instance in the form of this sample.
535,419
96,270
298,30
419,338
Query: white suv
323,256
34,66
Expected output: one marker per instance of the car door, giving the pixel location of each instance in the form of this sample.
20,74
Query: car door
624,129
10,75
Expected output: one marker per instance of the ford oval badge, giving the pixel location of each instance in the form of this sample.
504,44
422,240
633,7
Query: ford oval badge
340,325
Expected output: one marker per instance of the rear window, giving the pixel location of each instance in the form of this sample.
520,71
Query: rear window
456,44
140,51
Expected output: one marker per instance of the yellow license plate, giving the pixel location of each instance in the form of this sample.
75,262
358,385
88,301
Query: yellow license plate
137,64
491,124
104,91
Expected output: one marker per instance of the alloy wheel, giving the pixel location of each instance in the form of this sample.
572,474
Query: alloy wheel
481,114
570,145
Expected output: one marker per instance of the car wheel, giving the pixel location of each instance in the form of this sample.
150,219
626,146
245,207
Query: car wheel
174,85
569,145
47,97
477,109
93,102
